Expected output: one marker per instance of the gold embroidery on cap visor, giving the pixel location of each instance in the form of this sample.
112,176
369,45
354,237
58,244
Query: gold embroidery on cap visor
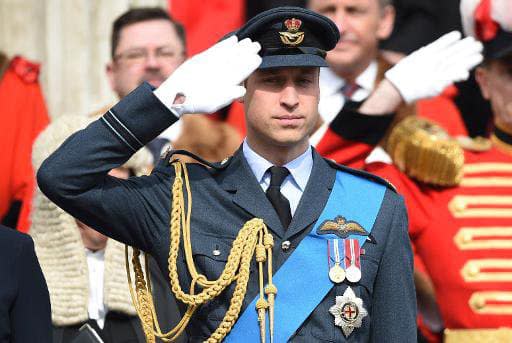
293,36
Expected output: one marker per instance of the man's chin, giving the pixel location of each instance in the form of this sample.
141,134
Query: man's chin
155,83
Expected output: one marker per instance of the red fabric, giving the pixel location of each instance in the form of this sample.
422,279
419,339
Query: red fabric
434,225
343,151
23,116
485,27
443,111
207,21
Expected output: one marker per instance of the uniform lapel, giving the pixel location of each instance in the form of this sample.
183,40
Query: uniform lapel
315,196
239,179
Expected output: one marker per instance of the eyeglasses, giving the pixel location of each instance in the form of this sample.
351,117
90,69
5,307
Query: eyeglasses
139,56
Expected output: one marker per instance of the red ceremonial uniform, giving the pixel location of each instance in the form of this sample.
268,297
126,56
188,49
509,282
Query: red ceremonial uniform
23,117
464,236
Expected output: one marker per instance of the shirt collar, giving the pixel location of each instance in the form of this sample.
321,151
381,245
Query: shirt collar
330,83
300,168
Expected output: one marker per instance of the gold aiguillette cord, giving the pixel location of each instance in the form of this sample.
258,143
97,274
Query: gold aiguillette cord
252,238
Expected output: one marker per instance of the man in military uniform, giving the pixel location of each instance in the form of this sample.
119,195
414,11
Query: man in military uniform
333,260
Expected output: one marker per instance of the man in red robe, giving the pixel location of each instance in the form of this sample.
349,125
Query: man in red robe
23,117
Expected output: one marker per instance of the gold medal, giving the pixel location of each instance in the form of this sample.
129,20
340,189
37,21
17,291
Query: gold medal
337,274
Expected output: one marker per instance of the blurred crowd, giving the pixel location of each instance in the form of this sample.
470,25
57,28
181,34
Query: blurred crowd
404,97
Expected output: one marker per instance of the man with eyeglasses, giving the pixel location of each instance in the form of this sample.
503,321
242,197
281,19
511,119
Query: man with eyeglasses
148,45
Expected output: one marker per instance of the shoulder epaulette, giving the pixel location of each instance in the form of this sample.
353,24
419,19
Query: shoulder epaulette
424,151
362,173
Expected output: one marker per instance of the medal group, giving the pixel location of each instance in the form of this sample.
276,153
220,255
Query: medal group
343,256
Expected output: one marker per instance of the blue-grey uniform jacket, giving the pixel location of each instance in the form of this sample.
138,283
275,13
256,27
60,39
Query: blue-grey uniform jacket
136,212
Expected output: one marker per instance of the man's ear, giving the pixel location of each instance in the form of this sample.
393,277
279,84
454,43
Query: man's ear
242,99
387,21
109,70
482,78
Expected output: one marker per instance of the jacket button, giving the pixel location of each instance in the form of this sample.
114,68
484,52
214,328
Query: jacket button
285,245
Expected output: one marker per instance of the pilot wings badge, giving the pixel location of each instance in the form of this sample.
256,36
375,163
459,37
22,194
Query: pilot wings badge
292,37
341,228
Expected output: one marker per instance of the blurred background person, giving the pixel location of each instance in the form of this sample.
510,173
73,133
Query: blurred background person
457,196
148,45
23,117
85,271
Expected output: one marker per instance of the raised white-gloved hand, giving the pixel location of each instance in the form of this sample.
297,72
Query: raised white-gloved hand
429,70
211,80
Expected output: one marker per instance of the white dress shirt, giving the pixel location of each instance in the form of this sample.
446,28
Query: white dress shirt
294,184
96,265
332,99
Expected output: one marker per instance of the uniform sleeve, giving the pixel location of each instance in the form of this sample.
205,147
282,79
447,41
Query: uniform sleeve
394,298
351,136
75,176
31,313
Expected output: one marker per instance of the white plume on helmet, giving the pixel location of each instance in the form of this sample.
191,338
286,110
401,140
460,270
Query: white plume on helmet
501,13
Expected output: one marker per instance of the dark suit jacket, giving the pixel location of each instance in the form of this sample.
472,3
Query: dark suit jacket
25,314
136,211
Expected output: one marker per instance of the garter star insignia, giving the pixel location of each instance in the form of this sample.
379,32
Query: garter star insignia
341,227
348,312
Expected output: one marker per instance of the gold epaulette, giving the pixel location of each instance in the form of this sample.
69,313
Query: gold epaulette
425,152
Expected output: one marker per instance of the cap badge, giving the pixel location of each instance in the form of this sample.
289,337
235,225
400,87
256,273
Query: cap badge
293,36
341,227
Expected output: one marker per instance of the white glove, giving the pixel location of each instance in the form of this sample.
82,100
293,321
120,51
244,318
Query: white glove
211,79
429,70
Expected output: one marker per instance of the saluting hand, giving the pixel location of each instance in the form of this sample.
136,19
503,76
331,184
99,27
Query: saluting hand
427,71
212,79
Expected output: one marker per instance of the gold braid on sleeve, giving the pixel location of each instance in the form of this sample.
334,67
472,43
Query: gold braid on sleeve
425,152
253,240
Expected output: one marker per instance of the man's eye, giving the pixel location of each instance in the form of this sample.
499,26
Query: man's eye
271,80
135,55
166,53
305,82
327,10
354,10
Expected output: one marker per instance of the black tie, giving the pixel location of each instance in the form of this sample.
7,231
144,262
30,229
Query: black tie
280,203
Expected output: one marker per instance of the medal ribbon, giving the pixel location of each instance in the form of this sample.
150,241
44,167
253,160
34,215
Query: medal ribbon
353,253
354,197
338,259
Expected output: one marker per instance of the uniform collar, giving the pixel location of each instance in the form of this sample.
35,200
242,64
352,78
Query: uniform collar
502,140
300,167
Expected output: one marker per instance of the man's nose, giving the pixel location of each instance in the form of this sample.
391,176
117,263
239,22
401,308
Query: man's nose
289,98
340,19
152,61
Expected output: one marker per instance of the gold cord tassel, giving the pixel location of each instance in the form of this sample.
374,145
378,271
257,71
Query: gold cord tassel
252,239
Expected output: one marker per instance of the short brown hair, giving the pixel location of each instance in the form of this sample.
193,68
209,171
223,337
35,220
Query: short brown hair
137,15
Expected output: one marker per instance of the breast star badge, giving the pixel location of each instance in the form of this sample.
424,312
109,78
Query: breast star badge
348,312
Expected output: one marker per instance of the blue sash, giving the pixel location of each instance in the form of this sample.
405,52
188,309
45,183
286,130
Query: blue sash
302,281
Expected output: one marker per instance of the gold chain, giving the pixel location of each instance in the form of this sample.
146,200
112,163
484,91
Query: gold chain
252,238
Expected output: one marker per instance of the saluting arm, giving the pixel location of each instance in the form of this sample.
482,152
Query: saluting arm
76,178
